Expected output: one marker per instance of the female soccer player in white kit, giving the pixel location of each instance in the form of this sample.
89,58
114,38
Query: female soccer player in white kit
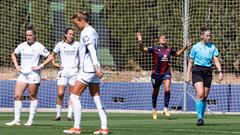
89,74
29,74
68,50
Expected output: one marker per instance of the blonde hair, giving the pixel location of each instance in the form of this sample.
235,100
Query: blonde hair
84,15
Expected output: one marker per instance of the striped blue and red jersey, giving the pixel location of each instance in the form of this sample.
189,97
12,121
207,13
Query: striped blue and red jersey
161,59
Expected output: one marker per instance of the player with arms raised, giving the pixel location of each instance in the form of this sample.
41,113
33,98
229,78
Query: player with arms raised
161,69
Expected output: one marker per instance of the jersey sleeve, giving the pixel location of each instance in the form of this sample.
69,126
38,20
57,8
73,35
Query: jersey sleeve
192,53
17,50
44,51
150,49
88,40
56,48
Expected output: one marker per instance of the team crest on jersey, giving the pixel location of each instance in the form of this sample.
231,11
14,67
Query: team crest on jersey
86,39
45,50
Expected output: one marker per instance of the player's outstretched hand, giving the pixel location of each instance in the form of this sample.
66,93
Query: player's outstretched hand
139,36
189,44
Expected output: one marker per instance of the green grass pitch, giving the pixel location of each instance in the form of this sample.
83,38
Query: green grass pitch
126,124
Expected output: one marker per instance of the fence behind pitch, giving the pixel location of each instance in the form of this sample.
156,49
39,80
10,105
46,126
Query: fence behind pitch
126,69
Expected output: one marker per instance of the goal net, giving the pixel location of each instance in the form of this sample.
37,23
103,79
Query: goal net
126,84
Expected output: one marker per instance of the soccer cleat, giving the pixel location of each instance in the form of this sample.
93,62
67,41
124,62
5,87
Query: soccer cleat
72,131
70,119
57,118
28,123
200,122
101,131
154,114
13,123
166,112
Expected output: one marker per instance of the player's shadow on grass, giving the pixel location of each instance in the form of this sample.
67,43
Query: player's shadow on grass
217,124
45,125
170,118
50,125
91,133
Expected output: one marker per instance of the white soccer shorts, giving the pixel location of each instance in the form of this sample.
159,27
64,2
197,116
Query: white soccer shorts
67,76
32,77
87,78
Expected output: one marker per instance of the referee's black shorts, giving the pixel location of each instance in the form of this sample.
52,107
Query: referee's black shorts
202,74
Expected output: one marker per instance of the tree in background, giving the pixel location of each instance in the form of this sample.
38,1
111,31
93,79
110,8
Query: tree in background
124,18
221,18
71,6
13,21
40,18
169,23
16,16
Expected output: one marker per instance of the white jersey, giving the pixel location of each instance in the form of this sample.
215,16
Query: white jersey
68,53
88,57
30,55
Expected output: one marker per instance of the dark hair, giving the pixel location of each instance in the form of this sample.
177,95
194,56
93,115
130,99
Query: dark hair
31,29
66,31
81,15
203,29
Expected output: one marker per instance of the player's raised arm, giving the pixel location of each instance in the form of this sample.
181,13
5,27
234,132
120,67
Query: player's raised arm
140,42
178,53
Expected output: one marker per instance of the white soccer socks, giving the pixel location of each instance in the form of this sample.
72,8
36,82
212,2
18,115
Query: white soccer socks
77,110
17,110
33,108
101,112
58,110
70,111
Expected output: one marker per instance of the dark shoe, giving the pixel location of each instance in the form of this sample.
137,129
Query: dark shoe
70,119
200,122
57,118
